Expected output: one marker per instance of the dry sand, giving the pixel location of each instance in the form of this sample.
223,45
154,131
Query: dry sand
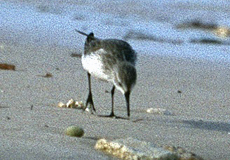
201,111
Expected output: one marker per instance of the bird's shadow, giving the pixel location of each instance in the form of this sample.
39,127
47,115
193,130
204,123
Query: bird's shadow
197,124
208,125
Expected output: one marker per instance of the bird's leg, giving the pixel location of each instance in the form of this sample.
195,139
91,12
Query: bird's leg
90,98
112,96
127,103
112,111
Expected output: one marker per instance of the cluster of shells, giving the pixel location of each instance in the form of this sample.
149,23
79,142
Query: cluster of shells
72,104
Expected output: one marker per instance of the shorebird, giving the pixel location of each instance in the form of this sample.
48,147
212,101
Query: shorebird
111,60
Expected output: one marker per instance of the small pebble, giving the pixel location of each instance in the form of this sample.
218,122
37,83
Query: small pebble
74,131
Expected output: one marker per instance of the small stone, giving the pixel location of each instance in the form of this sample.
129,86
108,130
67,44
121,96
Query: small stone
74,131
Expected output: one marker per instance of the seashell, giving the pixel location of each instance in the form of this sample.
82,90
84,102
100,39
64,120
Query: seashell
62,105
70,103
158,111
79,104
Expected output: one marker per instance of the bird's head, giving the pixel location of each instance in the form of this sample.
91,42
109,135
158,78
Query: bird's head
125,77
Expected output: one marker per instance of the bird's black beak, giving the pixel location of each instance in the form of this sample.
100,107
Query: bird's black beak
127,95
81,32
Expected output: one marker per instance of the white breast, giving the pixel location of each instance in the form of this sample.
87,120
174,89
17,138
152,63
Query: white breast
92,63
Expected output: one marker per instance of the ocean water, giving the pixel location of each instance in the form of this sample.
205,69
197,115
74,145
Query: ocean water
151,27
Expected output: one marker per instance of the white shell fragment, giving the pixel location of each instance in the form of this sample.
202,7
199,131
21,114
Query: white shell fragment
88,109
62,105
72,104
160,111
79,104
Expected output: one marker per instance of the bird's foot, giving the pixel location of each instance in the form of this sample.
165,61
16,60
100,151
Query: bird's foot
89,109
112,115
89,106
89,102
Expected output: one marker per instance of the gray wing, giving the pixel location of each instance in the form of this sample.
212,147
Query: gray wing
120,49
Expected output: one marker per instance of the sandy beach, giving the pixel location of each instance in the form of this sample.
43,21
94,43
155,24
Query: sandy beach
199,123
195,91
